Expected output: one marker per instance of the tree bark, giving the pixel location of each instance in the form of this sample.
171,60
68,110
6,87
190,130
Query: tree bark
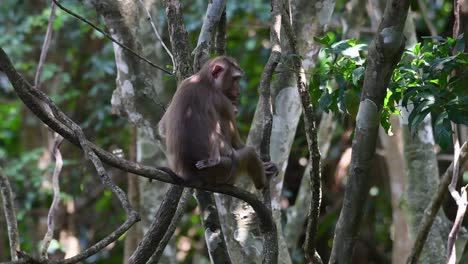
384,54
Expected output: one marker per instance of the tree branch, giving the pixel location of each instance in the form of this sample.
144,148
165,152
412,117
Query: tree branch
156,32
433,207
10,215
186,195
56,200
384,53
158,227
212,17
58,122
270,247
107,35
312,143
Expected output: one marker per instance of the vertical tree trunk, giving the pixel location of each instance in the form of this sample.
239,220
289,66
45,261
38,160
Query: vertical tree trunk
393,146
138,97
384,54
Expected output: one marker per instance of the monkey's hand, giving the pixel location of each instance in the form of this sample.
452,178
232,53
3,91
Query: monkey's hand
203,164
271,169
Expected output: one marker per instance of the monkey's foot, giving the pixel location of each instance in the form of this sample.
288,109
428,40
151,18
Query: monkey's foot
203,164
271,169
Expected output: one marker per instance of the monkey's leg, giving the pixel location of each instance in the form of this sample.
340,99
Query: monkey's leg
203,164
221,171
250,162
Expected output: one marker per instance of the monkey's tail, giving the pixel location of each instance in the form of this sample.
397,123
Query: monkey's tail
176,178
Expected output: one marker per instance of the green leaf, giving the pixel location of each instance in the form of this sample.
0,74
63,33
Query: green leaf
325,101
385,121
326,40
357,74
416,117
417,48
443,130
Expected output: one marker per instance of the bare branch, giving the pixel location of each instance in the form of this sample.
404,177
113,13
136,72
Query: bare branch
384,53
179,39
427,20
220,45
312,143
214,236
460,199
212,17
158,227
10,215
107,35
58,140
433,207
266,77
56,200
156,32
34,100
186,195
45,45
270,246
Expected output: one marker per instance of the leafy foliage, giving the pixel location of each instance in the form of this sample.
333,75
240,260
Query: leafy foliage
428,80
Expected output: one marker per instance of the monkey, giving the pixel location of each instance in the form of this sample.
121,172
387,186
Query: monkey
201,135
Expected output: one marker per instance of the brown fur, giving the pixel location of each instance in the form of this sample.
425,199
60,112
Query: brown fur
202,140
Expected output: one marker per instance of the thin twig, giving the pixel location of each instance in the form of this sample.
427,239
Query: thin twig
270,247
56,200
427,20
156,32
107,35
55,150
45,45
311,133
460,200
10,215
433,207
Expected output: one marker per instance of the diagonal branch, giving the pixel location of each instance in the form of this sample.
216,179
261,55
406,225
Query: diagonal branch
10,215
186,195
433,207
107,35
57,121
213,15
156,32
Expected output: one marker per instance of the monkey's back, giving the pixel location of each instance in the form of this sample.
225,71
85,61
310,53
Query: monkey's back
191,128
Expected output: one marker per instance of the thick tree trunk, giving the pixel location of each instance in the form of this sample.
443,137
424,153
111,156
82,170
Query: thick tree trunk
384,53
138,97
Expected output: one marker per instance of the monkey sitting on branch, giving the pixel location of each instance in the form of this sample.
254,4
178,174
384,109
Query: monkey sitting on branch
202,139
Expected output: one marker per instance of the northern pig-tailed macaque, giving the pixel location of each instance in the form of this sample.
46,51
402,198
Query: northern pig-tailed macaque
202,139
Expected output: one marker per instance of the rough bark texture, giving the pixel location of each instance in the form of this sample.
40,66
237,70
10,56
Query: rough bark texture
214,236
235,219
158,228
393,147
296,215
179,39
421,180
137,97
384,53
10,214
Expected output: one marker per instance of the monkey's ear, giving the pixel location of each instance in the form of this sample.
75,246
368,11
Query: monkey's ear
217,70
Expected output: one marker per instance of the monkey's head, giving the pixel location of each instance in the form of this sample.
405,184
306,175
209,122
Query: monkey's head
225,73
